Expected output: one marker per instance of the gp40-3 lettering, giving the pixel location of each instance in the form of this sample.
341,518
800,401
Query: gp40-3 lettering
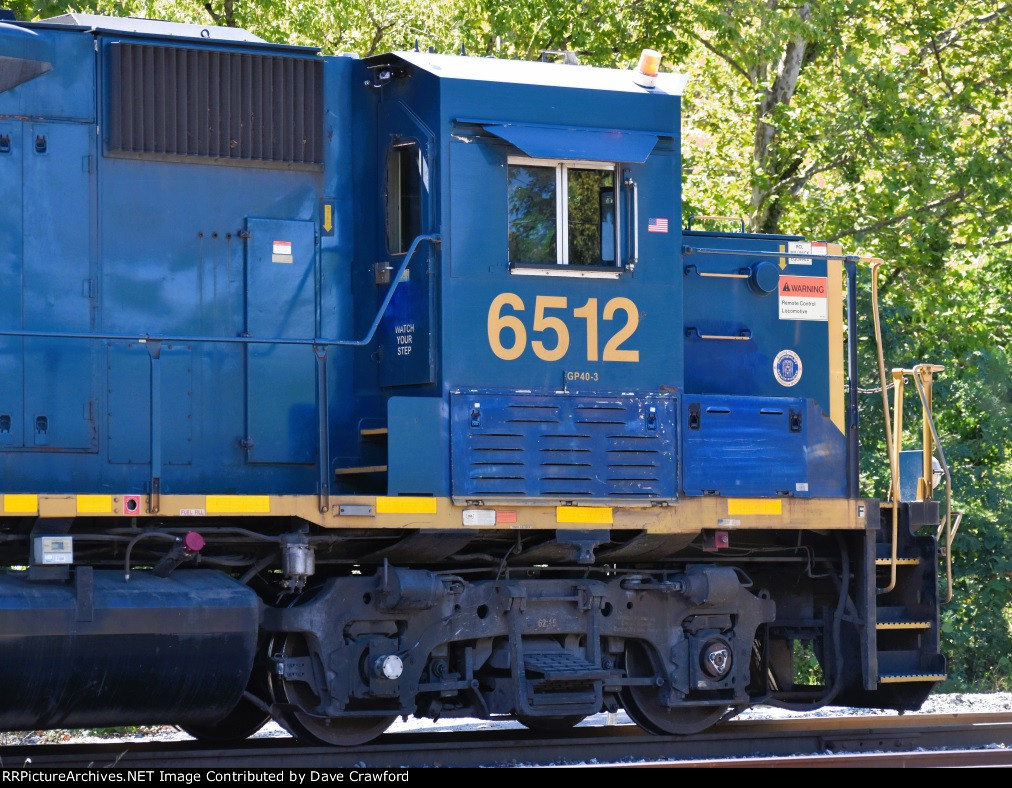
551,314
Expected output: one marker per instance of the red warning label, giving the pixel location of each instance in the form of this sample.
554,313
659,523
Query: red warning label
803,298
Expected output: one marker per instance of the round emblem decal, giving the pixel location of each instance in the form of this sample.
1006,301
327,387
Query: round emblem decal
787,368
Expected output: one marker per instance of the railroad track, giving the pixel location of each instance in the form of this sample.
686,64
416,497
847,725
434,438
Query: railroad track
803,742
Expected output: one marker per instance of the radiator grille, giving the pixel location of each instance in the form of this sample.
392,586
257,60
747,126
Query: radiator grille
563,446
232,106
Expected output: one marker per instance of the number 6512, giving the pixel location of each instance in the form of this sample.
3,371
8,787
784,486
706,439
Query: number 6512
551,314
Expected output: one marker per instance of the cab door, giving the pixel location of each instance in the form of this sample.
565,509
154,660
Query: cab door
406,349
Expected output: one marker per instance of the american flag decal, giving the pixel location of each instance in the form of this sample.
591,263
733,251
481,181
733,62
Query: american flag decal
657,226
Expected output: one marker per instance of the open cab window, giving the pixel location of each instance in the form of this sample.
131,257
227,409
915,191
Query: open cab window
404,196
561,213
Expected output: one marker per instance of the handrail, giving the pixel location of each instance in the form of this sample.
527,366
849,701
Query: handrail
635,220
434,238
893,459
894,485
892,447
691,269
738,219
687,250
922,377
743,335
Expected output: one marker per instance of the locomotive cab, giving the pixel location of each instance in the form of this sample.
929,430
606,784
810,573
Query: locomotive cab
544,273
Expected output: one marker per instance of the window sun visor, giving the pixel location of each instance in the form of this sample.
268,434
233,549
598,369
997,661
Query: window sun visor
26,55
561,142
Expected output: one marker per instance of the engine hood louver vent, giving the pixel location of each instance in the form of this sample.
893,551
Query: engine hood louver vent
563,447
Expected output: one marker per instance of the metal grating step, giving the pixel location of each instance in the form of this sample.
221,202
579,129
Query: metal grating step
903,625
559,665
907,678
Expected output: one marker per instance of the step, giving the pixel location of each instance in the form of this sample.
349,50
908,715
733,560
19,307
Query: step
899,561
360,470
909,678
903,625
374,432
555,666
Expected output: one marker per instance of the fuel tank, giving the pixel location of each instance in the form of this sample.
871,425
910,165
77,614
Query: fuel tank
102,651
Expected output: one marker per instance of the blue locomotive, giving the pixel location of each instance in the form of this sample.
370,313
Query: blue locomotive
337,390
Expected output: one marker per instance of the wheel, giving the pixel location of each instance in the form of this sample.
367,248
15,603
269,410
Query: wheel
295,695
240,723
551,724
643,703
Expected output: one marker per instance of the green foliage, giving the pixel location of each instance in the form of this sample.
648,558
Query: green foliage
808,670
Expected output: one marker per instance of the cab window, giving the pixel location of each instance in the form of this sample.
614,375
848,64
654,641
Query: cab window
404,196
560,213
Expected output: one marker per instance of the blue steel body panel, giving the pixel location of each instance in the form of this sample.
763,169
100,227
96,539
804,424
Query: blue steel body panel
644,301
128,411
419,446
718,306
281,284
911,469
19,43
11,268
563,446
825,453
57,232
760,446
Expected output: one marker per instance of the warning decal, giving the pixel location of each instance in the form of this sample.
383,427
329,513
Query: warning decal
281,252
817,248
803,298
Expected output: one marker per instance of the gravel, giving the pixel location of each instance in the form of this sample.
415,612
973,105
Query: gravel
935,704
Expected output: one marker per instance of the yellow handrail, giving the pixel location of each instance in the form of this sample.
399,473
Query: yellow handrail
923,378
892,441
895,442
923,375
